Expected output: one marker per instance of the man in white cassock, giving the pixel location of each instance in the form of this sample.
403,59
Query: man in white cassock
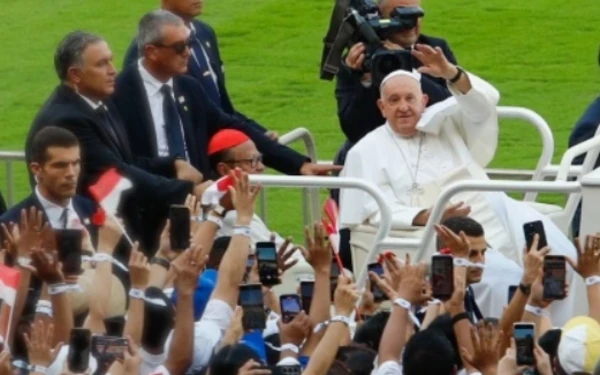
419,151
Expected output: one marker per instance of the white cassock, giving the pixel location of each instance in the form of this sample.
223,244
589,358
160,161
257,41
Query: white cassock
458,138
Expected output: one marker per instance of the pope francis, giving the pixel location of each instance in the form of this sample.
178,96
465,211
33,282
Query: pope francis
419,151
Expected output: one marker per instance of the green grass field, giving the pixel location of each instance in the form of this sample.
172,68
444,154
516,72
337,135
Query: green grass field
541,54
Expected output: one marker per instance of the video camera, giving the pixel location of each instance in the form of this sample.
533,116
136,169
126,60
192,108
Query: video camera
356,21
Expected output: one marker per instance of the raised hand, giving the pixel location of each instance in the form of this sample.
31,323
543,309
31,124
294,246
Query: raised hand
412,282
295,331
319,253
459,209
487,341
109,235
458,244
588,258
533,261
187,270
345,297
5,364
139,269
243,196
48,268
434,62
39,344
284,254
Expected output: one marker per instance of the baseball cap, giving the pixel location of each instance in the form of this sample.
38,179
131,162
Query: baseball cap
579,347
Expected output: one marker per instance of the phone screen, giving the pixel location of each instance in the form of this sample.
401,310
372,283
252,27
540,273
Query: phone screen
109,348
530,229
251,295
179,232
442,277
511,292
524,335
79,350
68,242
378,294
290,307
555,273
306,292
268,272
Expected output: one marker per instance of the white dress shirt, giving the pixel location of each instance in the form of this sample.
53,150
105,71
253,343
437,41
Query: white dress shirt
54,213
92,104
155,100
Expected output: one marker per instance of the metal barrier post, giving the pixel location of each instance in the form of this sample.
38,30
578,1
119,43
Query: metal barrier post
9,158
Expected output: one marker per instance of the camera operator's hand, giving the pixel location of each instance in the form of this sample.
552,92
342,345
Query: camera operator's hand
434,62
356,57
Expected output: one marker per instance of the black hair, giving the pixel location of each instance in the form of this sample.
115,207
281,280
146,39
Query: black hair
231,358
549,342
273,356
357,358
443,326
50,136
428,352
370,332
461,223
338,368
216,158
217,252
70,50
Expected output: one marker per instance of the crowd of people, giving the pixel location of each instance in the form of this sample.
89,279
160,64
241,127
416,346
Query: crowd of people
136,294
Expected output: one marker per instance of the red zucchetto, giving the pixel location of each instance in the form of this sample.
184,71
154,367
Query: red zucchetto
225,139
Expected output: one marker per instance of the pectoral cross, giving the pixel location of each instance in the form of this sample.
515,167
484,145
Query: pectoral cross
415,193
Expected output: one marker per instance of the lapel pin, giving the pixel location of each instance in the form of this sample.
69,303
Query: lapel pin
185,108
208,44
86,221
181,99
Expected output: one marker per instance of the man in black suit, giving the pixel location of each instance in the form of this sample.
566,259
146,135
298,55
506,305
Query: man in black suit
80,104
55,165
205,63
170,114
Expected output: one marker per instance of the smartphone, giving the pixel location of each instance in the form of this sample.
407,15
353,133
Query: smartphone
378,294
251,301
179,233
333,278
109,348
79,350
554,280
511,292
530,229
286,370
68,242
524,335
268,271
306,292
442,277
290,307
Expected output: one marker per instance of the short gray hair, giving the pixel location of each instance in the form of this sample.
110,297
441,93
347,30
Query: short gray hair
150,28
70,49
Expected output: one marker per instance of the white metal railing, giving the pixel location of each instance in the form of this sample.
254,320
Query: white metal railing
9,157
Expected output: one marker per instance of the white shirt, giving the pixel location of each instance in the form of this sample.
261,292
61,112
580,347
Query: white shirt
210,69
155,101
54,213
94,106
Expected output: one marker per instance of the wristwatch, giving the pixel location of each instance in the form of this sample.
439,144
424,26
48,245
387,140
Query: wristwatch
459,73
219,210
525,289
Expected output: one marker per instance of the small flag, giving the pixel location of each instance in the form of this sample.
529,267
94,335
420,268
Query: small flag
107,191
330,223
9,284
213,194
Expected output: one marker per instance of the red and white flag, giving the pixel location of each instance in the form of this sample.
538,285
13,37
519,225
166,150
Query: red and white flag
108,189
213,194
9,284
331,223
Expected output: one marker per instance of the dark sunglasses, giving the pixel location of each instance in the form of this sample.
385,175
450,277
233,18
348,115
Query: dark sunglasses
177,47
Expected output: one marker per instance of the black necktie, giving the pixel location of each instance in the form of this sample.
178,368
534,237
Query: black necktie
203,69
64,218
471,307
172,124
108,123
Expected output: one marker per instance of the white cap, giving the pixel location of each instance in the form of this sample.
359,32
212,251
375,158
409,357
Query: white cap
397,73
